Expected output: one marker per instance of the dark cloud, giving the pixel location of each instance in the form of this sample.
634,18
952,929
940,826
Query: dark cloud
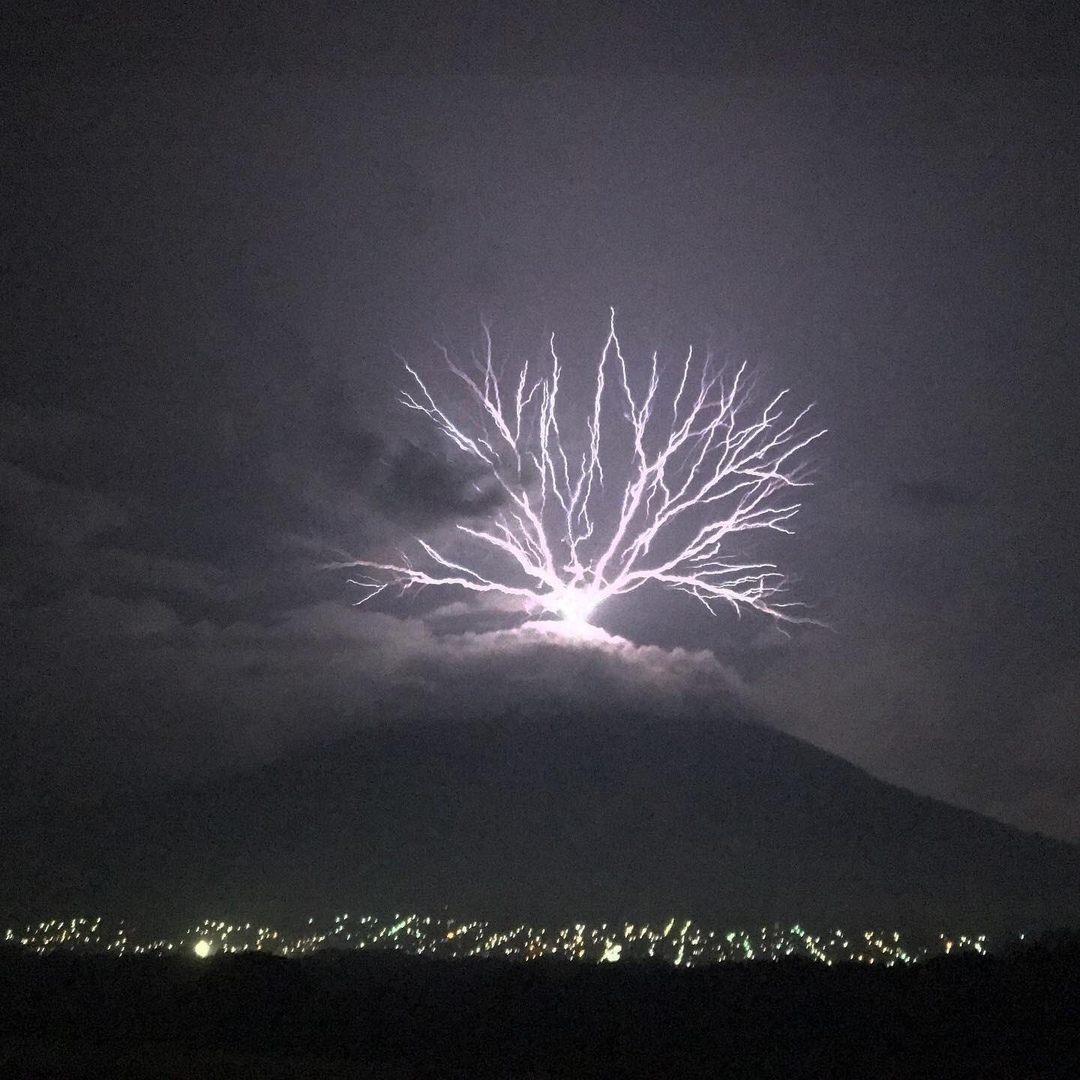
359,486
35,510
424,488
294,460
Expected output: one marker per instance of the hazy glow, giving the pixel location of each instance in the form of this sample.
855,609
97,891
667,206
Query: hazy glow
202,949
651,485
574,606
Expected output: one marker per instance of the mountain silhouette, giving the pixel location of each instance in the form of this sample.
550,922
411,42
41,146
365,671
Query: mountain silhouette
545,818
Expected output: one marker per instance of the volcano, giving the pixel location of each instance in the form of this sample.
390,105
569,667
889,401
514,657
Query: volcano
545,818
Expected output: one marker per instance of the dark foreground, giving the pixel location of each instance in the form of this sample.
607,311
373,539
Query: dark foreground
356,1015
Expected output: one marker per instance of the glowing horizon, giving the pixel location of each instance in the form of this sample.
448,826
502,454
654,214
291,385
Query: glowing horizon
702,464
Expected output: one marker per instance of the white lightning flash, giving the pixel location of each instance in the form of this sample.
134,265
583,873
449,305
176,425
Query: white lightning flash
655,489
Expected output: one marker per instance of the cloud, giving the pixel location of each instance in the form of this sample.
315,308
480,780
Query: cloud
427,487
39,511
362,488
235,500
229,478
105,692
40,570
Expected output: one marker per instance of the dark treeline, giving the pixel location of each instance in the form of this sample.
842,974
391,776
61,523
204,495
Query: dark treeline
353,1014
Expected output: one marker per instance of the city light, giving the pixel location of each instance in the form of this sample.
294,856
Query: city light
679,942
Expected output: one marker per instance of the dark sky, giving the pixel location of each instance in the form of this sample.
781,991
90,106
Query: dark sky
219,226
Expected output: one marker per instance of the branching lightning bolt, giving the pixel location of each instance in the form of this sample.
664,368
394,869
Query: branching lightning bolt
686,471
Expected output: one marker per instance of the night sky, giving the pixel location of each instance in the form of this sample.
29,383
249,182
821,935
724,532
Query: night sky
221,228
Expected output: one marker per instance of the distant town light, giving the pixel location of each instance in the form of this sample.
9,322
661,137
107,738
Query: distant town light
685,944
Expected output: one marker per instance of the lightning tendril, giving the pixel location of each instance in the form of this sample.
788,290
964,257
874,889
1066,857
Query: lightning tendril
655,488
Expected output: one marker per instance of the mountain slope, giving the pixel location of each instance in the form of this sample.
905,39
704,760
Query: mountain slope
549,819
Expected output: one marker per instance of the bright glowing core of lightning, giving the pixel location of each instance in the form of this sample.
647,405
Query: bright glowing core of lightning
641,486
